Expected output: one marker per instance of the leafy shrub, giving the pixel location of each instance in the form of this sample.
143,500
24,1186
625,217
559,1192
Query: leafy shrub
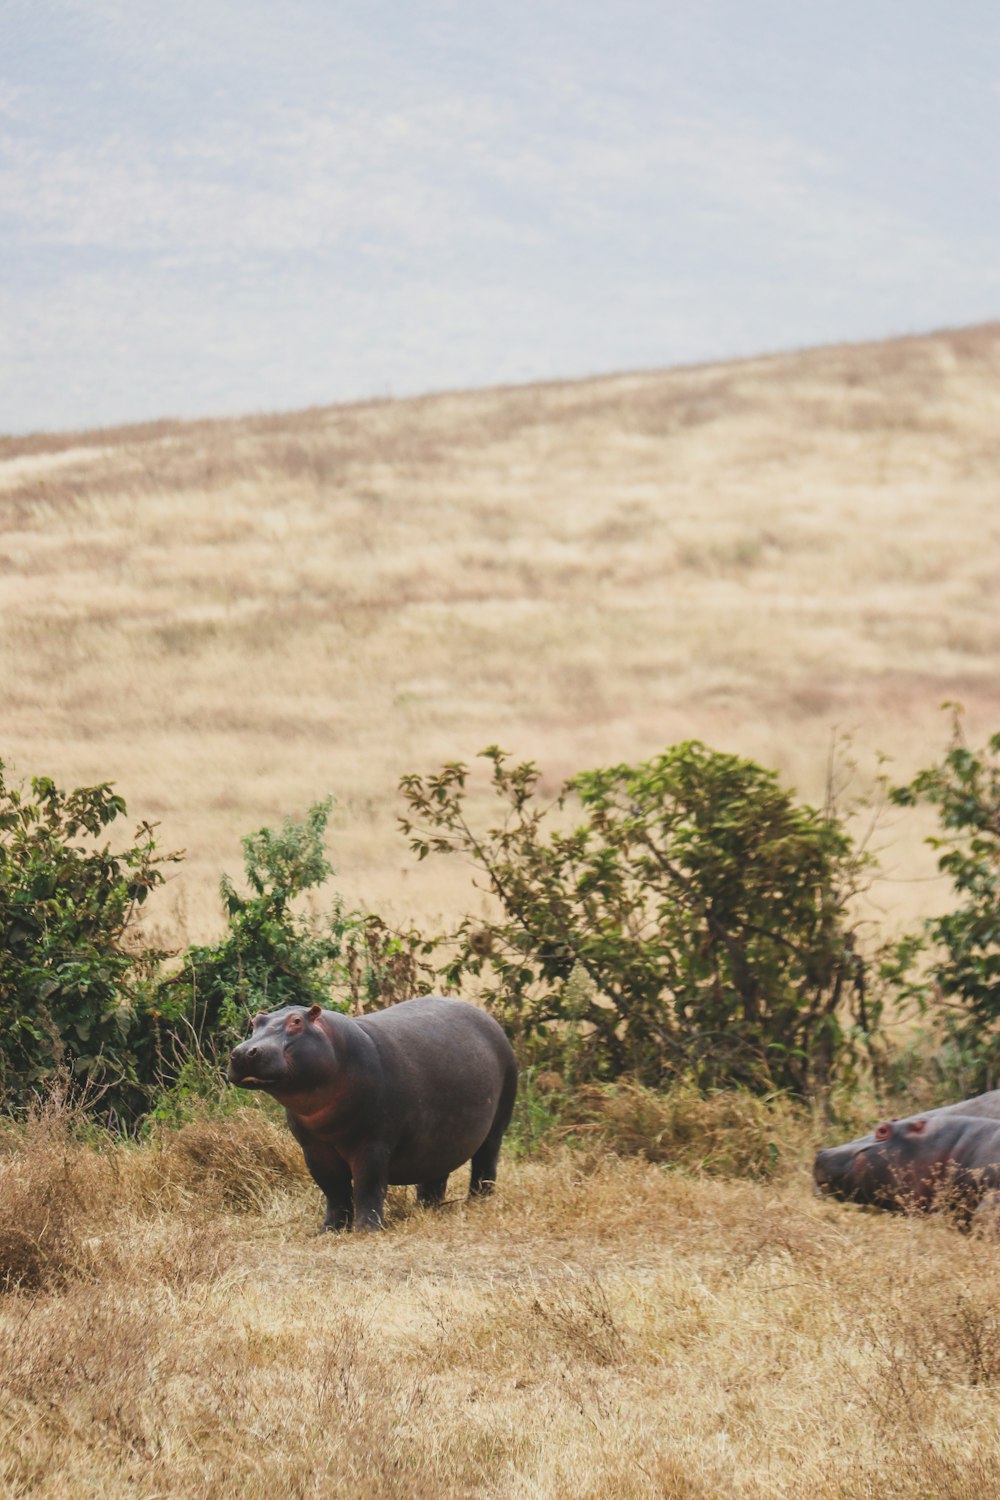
72,969
82,995
692,923
961,949
272,954
277,950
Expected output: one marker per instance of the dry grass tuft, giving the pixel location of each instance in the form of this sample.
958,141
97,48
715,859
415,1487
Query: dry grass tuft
47,1185
238,1162
42,1219
726,1134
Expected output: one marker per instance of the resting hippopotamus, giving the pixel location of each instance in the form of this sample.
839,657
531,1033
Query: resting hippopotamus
404,1095
922,1162
834,1158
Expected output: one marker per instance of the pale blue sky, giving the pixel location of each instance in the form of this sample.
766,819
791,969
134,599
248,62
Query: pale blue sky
233,206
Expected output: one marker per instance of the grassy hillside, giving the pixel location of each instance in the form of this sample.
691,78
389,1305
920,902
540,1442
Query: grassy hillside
230,619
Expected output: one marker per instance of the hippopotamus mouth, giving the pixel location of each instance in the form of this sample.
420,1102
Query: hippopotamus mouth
250,1080
833,1181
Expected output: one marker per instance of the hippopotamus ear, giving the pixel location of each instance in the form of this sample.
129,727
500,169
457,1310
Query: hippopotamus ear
916,1127
315,1011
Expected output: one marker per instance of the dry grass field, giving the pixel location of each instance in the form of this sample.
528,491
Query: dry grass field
231,619
602,1329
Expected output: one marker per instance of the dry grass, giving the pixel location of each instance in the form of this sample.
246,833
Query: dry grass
602,1327
731,1133
231,618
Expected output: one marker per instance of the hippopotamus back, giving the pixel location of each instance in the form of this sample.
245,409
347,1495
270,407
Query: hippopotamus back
985,1106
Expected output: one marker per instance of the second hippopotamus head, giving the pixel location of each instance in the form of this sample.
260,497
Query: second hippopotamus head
917,1162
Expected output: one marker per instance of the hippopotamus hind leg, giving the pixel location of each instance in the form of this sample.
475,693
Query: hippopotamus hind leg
484,1163
429,1194
484,1169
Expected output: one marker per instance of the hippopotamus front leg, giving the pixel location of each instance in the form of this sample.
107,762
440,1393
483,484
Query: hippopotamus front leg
370,1169
339,1209
332,1176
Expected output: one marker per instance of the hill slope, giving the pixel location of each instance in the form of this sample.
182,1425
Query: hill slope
231,618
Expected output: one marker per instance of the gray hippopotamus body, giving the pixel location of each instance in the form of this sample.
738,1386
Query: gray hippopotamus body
405,1095
937,1159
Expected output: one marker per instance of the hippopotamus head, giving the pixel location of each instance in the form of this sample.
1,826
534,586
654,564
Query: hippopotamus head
289,1052
877,1168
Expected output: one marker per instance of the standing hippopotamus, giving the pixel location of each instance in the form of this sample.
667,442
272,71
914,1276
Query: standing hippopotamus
404,1095
925,1161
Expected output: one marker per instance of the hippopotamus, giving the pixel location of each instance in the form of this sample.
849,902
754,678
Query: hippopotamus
834,1158
404,1095
941,1158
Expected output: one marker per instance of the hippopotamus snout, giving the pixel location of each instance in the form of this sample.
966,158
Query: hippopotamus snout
831,1164
823,1171
255,1064
844,1171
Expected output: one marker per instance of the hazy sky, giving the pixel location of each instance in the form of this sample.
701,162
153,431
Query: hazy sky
221,206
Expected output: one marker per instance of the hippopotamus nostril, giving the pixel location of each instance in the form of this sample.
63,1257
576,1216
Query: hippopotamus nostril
244,1053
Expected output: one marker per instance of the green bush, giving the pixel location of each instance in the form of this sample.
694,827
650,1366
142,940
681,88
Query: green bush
83,997
277,950
691,921
272,953
953,967
73,970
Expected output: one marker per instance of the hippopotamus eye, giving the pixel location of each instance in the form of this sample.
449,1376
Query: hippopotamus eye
883,1132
